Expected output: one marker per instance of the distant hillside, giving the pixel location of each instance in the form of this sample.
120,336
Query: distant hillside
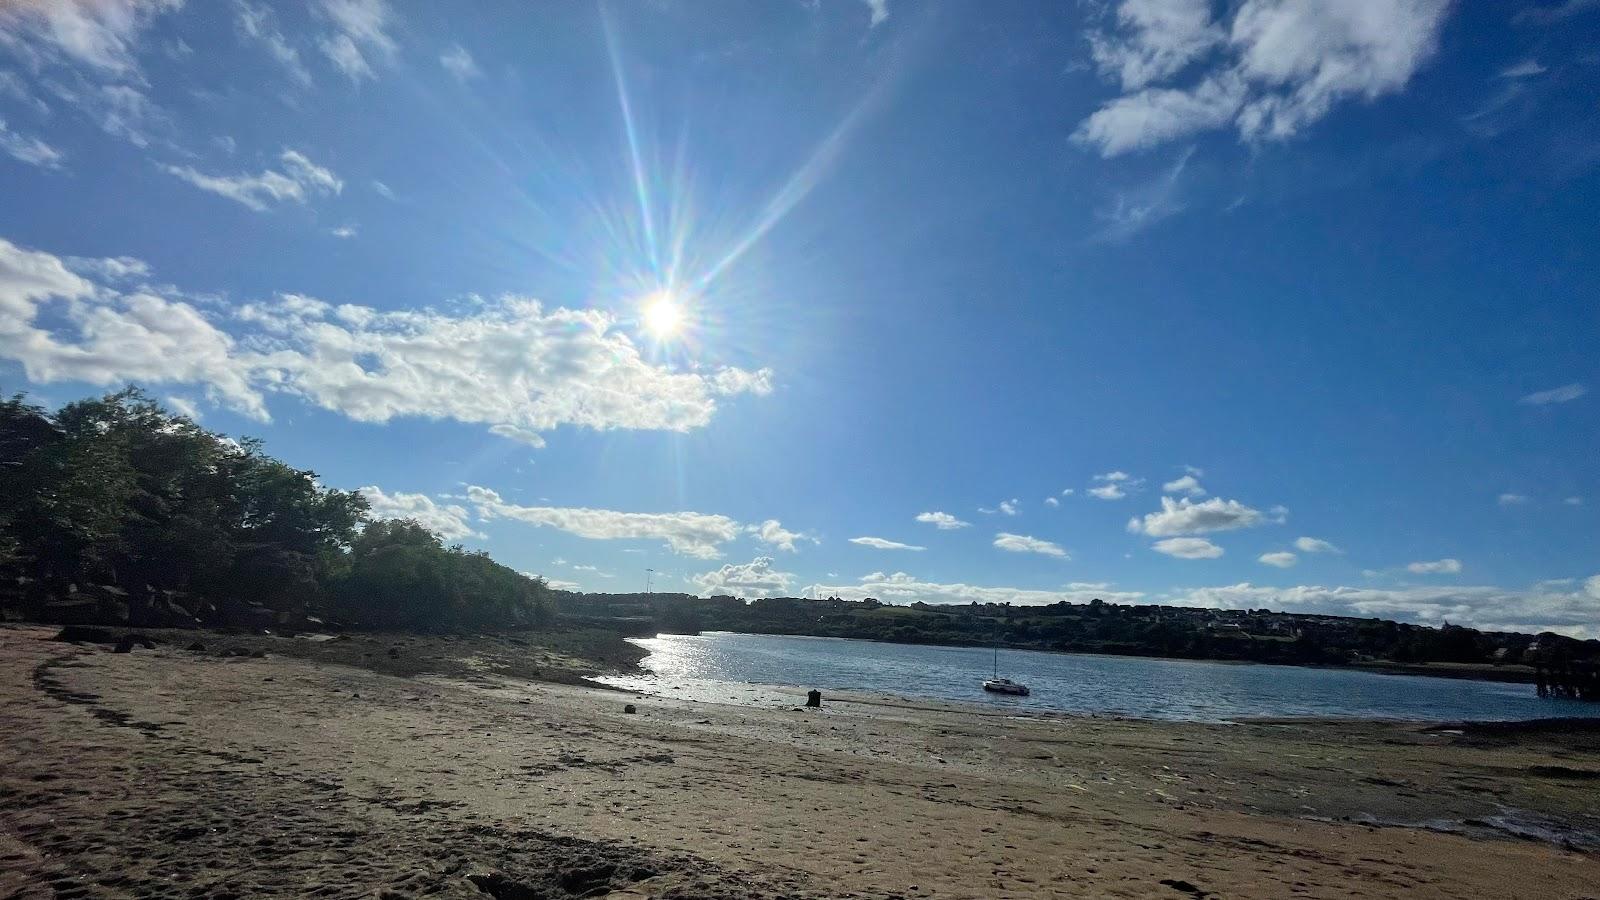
1096,627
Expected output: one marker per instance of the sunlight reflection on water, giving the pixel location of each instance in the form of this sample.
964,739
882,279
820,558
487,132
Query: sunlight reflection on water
749,668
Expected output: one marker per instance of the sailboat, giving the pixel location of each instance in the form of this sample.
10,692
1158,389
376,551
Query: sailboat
998,685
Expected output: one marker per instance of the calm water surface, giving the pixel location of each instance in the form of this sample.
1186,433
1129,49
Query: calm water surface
726,667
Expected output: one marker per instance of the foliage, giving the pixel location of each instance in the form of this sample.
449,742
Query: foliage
114,509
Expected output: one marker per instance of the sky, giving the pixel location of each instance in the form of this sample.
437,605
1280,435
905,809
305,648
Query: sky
1227,303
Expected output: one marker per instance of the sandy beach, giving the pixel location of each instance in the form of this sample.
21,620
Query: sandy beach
189,773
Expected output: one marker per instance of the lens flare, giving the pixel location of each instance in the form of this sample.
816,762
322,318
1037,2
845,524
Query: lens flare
662,315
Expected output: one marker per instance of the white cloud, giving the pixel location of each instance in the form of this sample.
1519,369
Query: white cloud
137,336
772,533
879,10
510,365
1163,36
1021,543
1525,69
449,521
1067,492
101,34
1490,608
1436,567
1573,501
1006,507
1188,484
687,533
1281,559
1511,500
756,578
1113,485
1315,545
1187,548
27,149
258,24
1564,394
879,543
1051,501
941,520
904,589
1142,205
1273,68
458,62
183,406
360,35
344,232
1184,516
299,180
1592,586
120,268
383,190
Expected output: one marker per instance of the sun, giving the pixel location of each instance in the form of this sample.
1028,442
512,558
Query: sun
662,315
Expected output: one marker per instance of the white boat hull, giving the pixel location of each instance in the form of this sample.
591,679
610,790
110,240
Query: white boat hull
1005,686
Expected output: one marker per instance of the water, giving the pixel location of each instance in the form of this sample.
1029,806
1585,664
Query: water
725,667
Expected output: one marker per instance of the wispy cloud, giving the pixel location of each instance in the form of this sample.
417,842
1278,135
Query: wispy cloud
1563,394
27,149
1133,210
458,62
297,181
1187,548
1021,543
1281,559
878,543
1445,566
1315,545
359,37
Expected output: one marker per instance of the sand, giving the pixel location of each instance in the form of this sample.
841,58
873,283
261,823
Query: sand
190,774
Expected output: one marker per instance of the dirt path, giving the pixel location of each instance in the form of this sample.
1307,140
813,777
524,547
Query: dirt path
179,774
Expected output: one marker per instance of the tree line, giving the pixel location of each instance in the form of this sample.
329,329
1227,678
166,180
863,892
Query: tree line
113,509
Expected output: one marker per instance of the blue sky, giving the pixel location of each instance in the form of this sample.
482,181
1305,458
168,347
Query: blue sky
1245,303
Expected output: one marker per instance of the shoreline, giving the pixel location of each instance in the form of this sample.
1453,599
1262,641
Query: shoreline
156,772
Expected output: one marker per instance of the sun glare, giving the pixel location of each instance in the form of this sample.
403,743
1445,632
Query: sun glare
662,315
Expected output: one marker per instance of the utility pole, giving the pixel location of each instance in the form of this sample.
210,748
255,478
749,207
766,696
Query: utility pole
649,576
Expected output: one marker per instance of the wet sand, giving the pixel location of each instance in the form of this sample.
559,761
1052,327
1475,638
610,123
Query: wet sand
191,774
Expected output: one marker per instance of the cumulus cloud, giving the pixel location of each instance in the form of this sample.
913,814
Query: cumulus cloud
685,533
30,150
458,62
772,533
1006,507
1268,68
297,181
1445,566
1184,516
750,580
879,543
1281,559
1564,394
1021,543
1112,485
1188,484
1315,545
1051,501
1187,548
903,588
513,365
449,521
1541,608
360,35
941,520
